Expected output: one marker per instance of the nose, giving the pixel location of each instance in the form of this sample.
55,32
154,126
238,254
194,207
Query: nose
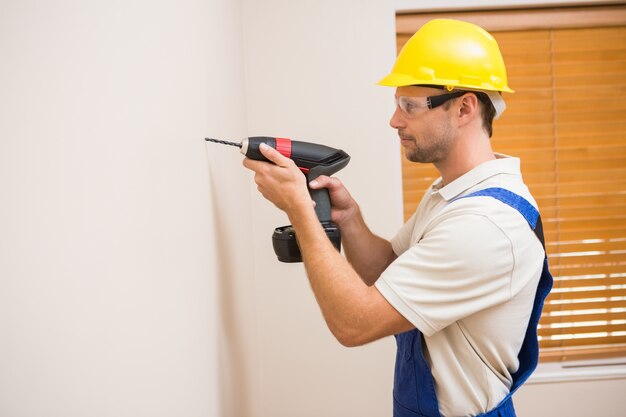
397,119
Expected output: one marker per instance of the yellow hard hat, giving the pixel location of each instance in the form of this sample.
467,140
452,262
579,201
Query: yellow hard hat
451,54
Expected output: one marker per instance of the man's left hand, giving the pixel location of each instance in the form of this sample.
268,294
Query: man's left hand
282,182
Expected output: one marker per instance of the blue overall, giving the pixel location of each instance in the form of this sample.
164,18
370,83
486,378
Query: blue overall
414,388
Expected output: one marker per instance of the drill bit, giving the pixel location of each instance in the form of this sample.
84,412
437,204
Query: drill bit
223,142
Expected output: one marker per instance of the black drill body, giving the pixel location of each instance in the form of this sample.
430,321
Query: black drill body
313,160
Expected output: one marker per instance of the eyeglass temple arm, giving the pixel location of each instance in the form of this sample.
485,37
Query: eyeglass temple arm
436,101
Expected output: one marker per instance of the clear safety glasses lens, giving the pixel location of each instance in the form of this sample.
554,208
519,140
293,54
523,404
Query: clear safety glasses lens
409,104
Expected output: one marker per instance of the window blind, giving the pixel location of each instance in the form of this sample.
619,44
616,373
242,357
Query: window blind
567,123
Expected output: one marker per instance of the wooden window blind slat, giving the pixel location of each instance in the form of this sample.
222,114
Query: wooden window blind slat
584,305
566,122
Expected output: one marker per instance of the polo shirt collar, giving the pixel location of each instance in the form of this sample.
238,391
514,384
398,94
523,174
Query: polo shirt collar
503,164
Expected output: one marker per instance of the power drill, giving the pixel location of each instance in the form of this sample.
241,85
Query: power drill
313,160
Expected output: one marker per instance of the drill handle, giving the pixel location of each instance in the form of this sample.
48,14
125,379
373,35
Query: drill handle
322,204
321,196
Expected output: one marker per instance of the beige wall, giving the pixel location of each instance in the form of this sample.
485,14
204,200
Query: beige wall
107,241
603,397
310,69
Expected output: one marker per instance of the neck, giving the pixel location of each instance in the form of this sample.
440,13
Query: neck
466,155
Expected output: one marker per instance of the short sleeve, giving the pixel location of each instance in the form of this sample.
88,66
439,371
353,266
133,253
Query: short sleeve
402,240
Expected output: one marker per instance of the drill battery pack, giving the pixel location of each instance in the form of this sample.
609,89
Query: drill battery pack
286,244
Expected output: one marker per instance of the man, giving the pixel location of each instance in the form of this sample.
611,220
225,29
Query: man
458,283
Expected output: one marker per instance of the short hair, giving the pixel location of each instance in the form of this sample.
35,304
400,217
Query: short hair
487,110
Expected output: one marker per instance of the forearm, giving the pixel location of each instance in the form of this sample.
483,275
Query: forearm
335,284
368,254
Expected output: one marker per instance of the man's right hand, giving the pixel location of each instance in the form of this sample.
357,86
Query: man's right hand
344,207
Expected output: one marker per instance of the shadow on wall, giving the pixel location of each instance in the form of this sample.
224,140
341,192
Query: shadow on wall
233,390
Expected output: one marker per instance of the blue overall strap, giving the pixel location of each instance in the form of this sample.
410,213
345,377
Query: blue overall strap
529,353
519,203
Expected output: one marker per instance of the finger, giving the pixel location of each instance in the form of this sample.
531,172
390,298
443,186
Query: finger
319,182
325,182
273,155
252,164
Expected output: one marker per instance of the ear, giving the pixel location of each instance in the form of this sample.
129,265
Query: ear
468,106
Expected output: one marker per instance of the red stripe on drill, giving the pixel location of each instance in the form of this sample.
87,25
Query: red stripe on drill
283,145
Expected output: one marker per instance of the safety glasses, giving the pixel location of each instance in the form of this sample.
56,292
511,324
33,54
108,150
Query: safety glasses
409,105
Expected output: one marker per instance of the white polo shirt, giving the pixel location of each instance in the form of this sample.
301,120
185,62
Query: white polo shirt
466,276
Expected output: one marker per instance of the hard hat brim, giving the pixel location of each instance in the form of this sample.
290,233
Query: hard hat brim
402,80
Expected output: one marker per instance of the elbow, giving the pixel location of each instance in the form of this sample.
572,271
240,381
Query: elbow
349,336
348,342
